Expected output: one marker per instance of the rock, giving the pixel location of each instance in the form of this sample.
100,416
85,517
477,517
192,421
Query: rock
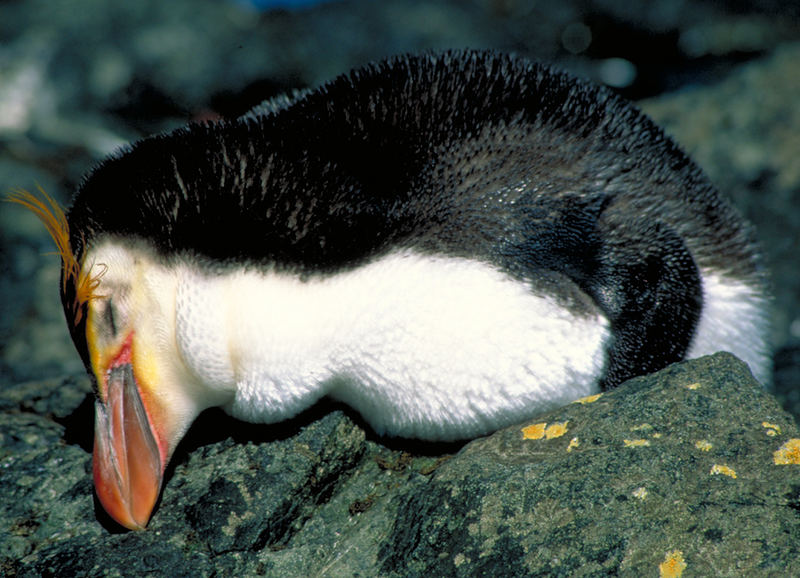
681,461
678,467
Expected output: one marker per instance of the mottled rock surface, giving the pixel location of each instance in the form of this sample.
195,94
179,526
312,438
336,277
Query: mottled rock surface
680,463
322,495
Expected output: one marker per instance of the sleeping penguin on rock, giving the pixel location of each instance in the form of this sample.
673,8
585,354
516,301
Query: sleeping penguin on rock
448,243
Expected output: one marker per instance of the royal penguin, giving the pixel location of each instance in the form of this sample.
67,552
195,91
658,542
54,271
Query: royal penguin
449,243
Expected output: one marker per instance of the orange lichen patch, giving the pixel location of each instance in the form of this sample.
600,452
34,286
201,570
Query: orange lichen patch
703,445
534,431
772,429
589,398
718,469
640,493
573,443
55,221
636,443
673,565
695,385
788,453
541,430
556,430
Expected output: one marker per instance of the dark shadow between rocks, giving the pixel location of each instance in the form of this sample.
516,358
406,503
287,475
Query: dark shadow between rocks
214,425
79,425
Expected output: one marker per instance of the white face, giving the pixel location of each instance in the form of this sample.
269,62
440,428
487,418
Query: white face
134,303
147,397
138,299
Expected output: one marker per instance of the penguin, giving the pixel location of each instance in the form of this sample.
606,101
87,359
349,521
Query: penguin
448,243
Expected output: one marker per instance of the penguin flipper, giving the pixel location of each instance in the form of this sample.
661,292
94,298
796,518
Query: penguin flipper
650,288
641,275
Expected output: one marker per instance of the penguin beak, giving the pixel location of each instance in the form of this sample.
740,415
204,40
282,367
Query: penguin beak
127,464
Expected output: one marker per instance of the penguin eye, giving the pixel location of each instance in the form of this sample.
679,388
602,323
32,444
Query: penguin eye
110,318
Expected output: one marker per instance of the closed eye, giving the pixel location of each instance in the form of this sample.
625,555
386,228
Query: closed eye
109,318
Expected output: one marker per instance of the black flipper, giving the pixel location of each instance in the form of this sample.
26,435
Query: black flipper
650,288
641,275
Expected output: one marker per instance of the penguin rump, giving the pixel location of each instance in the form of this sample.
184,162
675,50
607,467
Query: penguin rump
448,243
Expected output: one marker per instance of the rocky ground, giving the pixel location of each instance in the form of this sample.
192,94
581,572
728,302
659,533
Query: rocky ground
696,465
323,496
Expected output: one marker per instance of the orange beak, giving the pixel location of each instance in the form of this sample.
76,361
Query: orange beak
127,464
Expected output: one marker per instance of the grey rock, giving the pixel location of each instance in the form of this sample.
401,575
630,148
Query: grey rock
638,483
66,64
679,461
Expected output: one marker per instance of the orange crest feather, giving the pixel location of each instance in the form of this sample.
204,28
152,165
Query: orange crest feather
54,219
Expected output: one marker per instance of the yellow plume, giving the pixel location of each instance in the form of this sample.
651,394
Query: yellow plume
52,216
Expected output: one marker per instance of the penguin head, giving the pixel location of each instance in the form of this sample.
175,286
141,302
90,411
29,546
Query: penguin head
119,302
146,397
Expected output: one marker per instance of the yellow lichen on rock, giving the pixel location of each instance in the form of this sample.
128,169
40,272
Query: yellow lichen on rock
534,431
694,385
772,429
636,443
589,398
673,565
642,427
556,430
573,443
788,453
640,493
718,469
541,430
703,445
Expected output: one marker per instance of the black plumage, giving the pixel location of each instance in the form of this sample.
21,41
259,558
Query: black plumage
467,153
